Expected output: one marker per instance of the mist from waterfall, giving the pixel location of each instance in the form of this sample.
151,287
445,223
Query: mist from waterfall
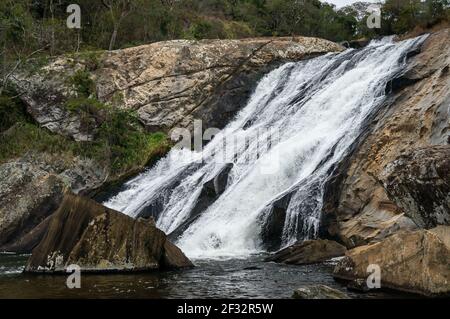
301,120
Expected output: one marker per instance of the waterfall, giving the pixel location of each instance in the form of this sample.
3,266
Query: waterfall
272,160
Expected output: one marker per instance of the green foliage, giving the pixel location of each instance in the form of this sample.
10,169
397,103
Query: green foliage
129,146
87,105
82,83
28,25
90,58
24,137
400,16
11,111
120,142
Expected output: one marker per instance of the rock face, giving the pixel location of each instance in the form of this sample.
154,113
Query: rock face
319,292
32,188
98,239
171,83
22,207
416,262
45,94
309,252
168,83
362,206
418,182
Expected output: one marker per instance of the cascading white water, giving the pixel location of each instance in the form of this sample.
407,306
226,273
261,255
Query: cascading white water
300,121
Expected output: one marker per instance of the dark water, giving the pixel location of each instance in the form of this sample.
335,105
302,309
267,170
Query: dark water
248,278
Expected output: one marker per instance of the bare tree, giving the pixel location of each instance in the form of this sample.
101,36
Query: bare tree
6,74
119,10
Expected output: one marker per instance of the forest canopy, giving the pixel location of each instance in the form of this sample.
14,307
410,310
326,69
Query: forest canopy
30,25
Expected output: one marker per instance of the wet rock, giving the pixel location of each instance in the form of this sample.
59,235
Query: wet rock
273,224
211,190
309,252
359,285
99,239
356,44
418,183
319,292
168,83
416,262
22,207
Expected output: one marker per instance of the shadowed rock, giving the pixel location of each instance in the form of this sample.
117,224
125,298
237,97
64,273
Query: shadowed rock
211,190
99,239
418,182
309,252
273,225
361,205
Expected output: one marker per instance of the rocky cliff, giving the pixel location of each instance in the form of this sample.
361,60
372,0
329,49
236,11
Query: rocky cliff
166,84
398,174
390,193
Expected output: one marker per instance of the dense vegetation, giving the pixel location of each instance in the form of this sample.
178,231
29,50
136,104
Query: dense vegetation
120,142
31,31
35,24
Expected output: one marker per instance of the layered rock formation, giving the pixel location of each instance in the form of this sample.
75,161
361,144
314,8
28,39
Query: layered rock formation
373,197
168,83
309,252
32,188
98,239
174,82
416,262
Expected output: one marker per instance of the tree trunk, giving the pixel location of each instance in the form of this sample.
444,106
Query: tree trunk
113,38
52,35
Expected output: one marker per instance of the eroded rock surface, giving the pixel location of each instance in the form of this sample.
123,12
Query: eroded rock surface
419,183
416,262
99,239
309,252
168,83
361,209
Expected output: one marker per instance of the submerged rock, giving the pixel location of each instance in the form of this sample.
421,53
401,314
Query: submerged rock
319,292
416,262
99,239
309,252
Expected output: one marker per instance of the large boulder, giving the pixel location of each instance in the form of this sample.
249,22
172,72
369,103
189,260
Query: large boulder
98,239
168,83
309,252
359,208
418,182
416,262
